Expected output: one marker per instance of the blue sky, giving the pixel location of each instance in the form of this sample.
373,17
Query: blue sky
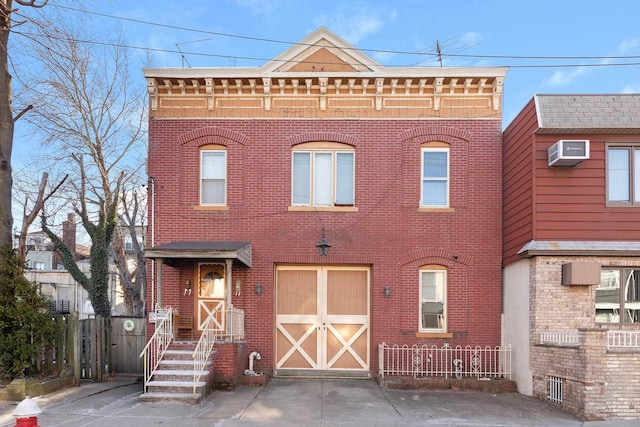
487,33
590,36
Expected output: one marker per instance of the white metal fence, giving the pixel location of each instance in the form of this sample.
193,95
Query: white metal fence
555,390
235,323
450,362
569,338
623,339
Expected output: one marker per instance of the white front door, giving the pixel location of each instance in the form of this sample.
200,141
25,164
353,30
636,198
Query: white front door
211,296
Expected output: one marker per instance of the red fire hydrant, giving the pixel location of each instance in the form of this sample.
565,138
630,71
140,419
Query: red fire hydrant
26,413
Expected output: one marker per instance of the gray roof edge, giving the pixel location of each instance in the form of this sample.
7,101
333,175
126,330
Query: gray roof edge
580,247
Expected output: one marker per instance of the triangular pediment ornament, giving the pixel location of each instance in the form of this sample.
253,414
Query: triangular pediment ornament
321,51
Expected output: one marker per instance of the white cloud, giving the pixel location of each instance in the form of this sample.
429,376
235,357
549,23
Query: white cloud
258,7
353,22
631,88
629,45
566,77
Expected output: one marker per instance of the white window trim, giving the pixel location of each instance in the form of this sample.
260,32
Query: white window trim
447,179
444,302
621,308
631,149
334,166
200,178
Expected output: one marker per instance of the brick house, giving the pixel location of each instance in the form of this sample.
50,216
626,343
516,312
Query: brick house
396,171
572,252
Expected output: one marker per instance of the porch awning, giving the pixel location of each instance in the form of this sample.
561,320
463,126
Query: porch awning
203,250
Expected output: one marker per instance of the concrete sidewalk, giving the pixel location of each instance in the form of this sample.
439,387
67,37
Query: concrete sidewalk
296,402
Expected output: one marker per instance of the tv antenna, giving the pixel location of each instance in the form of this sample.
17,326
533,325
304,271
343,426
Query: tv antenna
184,59
442,49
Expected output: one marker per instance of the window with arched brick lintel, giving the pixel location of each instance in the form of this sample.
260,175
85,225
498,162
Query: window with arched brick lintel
323,174
433,298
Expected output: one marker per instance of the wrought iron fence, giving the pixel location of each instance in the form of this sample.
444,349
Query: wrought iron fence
446,361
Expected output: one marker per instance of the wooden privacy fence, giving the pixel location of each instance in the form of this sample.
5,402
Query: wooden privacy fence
95,354
94,348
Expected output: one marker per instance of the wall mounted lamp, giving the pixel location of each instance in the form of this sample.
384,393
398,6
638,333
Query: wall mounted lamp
387,291
258,289
187,287
323,246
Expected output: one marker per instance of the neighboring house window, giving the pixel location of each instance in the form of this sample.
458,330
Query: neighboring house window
433,294
323,175
128,243
38,265
213,176
618,296
435,176
623,175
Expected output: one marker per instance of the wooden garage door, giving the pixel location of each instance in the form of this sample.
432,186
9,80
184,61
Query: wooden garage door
322,318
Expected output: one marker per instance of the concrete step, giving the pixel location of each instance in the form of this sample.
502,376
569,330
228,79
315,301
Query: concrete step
176,387
189,398
176,375
173,354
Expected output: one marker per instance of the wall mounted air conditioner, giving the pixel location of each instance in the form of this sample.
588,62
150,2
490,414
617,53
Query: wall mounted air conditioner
568,152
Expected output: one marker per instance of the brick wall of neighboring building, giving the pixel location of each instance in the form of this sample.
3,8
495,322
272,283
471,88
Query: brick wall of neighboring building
387,232
597,383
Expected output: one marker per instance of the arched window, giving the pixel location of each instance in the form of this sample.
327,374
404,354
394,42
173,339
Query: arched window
435,175
213,175
323,174
433,298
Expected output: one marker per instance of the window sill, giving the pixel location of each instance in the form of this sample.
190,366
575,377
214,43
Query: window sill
323,208
434,335
436,210
211,208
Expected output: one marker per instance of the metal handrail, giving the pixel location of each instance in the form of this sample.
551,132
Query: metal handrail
158,343
203,351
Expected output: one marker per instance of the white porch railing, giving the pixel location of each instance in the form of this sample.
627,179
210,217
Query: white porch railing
158,343
623,339
569,338
458,362
235,324
203,351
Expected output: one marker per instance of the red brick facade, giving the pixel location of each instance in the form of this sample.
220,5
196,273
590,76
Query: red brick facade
382,116
387,232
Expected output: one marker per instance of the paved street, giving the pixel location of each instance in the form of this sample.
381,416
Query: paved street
295,402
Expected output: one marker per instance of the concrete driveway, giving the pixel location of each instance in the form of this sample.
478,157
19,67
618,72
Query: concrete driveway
295,402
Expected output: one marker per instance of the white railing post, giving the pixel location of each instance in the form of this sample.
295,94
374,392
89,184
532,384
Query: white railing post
158,344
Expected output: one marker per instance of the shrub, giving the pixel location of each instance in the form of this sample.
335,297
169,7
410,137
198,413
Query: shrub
25,323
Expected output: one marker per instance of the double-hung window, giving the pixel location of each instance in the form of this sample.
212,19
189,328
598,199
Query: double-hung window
433,304
213,177
618,296
435,176
323,177
623,175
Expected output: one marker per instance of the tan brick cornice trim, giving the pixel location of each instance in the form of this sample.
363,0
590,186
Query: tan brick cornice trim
438,256
213,135
436,132
323,136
